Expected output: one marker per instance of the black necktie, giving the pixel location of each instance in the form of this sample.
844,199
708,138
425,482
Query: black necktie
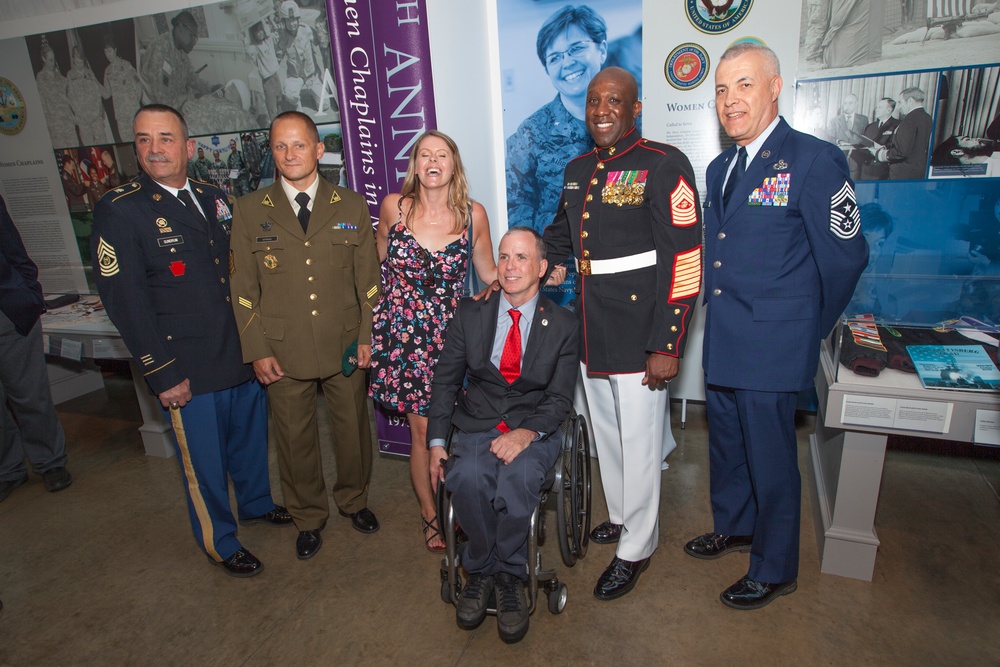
734,176
188,201
302,199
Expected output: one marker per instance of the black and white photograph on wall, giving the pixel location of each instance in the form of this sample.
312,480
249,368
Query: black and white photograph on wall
88,82
883,124
967,136
226,67
867,36
549,52
916,234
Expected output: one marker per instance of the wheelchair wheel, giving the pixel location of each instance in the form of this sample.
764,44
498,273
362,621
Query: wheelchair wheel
563,487
557,598
446,590
580,486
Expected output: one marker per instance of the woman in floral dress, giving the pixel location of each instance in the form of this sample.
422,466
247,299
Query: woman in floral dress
424,242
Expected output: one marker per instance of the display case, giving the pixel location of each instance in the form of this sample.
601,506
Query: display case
869,386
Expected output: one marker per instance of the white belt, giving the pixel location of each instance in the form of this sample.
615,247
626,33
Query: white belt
594,267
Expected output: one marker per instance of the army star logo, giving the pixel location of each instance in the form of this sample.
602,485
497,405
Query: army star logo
845,220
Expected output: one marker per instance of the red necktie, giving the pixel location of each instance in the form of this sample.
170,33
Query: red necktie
510,359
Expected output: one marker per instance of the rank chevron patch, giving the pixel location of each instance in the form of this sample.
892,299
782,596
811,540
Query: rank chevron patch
107,259
687,274
683,212
845,220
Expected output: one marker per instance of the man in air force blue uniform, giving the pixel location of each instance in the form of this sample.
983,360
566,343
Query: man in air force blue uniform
162,266
781,262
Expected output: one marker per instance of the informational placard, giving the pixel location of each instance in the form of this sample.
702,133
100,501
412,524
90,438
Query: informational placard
987,428
897,413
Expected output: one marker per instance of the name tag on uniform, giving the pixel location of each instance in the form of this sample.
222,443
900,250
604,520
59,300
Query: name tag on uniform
266,239
167,241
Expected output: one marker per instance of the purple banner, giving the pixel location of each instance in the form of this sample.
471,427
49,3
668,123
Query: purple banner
381,57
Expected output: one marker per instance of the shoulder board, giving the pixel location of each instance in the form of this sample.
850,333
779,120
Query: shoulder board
123,191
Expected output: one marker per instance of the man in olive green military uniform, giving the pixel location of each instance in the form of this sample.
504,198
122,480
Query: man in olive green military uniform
305,281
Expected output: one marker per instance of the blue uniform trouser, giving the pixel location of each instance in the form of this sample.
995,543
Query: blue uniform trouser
24,385
494,501
223,435
755,483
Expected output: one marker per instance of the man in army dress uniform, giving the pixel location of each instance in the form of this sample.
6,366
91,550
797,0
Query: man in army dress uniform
166,67
629,214
306,281
161,262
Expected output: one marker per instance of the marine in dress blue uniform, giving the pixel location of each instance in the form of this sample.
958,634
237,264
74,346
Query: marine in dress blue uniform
782,260
162,271
629,214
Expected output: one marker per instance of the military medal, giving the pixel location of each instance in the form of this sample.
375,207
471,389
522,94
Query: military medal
625,188
270,261
779,165
222,211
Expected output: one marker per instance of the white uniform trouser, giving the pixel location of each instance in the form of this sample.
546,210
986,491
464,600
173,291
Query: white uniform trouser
628,420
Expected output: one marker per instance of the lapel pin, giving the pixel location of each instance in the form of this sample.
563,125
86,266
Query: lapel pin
267,201
545,323
765,154
335,198
266,226
199,191
157,197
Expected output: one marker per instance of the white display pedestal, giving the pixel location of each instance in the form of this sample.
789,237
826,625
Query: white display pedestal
81,334
847,457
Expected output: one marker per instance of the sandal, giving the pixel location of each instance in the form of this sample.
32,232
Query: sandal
431,532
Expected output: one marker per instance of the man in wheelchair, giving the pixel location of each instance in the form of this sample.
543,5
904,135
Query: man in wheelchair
505,381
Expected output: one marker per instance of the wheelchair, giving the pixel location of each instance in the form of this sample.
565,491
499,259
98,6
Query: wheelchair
568,481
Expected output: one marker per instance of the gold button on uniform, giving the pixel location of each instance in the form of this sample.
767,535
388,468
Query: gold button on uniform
586,215
315,313
593,181
670,346
677,311
634,297
309,262
216,260
600,165
673,328
170,337
312,297
583,234
311,279
586,253
611,151
308,244
222,280
590,197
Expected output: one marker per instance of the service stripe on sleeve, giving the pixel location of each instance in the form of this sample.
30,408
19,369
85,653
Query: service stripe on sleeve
687,274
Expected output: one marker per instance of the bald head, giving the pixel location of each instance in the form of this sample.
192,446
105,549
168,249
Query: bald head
612,106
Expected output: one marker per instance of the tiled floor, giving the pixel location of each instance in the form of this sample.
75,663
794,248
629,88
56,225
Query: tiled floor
107,573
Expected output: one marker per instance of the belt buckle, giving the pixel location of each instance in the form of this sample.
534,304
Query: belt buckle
584,267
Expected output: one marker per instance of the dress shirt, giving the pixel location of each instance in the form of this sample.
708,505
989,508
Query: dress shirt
290,193
754,146
504,320
187,186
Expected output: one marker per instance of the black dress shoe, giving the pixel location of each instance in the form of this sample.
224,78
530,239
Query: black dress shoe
619,578
6,486
713,545
240,564
749,594
512,608
472,603
57,479
308,543
279,516
363,520
606,533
